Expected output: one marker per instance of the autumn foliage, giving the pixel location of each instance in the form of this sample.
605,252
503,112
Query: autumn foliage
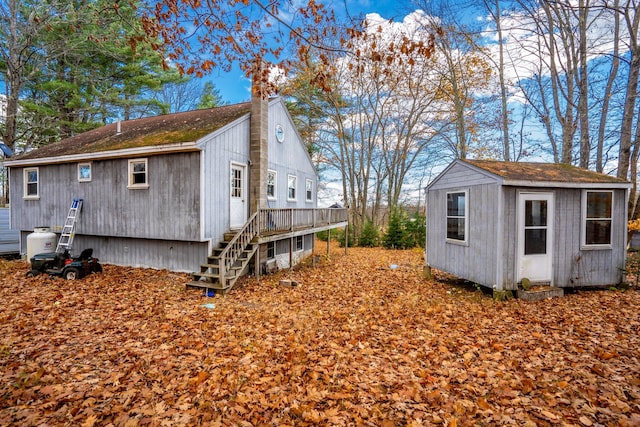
365,340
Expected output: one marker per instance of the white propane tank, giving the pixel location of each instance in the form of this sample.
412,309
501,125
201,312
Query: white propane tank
40,241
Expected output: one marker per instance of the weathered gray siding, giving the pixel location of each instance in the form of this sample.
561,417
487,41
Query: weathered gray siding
574,266
9,239
459,175
160,254
168,210
476,261
289,157
230,144
509,238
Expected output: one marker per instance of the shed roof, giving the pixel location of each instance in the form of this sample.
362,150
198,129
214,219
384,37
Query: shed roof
145,132
518,172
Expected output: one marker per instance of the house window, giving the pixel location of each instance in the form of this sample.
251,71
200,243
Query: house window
597,219
31,183
271,184
309,190
299,243
291,187
271,250
138,173
84,172
457,211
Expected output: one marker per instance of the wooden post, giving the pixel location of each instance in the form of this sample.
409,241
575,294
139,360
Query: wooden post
328,241
257,263
291,253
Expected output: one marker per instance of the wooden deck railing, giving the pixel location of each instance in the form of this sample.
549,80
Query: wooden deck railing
272,221
236,247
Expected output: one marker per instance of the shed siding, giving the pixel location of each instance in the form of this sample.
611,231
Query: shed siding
572,266
219,151
288,158
510,238
475,262
167,210
576,267
460,175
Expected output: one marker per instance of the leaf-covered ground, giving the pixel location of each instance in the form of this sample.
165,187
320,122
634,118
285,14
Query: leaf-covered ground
358,343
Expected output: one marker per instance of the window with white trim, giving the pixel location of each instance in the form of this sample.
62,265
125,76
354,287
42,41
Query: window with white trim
292,181
84,172
31,183
309,190
138,173
457,216
272,177
299,243
597,207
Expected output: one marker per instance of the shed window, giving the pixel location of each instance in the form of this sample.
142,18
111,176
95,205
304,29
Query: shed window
291,187
31,183
457,216
271,184
597,208
138,169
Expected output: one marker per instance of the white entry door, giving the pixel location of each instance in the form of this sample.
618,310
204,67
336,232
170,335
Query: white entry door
535,236
238,203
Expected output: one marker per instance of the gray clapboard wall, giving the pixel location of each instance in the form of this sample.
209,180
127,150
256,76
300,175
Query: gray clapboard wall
475,261
167,210
9,239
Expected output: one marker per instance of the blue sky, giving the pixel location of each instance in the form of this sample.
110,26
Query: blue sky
234,87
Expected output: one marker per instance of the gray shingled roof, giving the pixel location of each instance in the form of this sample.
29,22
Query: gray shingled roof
149,131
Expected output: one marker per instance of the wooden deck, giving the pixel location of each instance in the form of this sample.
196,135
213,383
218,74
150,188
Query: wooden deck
278,224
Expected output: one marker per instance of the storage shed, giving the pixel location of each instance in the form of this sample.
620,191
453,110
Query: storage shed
495,223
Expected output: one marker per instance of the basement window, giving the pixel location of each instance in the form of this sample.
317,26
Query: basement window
271,250
457,217
597,219
299,243
31,183
138,174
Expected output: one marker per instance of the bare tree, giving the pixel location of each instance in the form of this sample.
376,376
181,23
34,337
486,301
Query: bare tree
630,14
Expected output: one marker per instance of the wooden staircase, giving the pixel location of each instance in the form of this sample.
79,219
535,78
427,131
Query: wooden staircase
227,262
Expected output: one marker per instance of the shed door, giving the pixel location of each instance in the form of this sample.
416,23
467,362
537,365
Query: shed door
535,237
237,205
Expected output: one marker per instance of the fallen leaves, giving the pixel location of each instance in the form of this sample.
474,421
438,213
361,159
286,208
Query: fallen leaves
359,343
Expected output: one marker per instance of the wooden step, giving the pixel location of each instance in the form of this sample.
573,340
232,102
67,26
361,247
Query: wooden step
207,285
204,274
